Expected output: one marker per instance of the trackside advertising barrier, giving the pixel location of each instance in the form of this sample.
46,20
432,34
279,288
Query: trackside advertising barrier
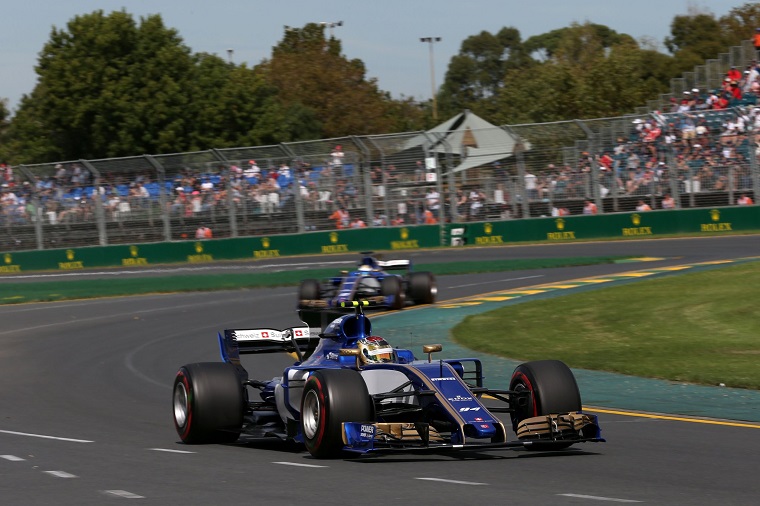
209,251
643,225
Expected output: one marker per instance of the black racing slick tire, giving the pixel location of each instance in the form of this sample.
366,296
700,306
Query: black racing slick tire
331,397
422,287
309,289
208,403
552,388
391,285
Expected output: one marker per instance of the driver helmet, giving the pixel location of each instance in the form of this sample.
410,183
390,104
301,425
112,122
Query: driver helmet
376,350
365,268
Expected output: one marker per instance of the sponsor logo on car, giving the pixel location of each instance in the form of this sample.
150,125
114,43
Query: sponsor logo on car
367,431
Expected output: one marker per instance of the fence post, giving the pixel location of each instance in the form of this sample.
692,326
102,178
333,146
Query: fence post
100,217
162,202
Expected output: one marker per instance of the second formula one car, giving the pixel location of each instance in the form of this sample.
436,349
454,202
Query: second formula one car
351,392
373,279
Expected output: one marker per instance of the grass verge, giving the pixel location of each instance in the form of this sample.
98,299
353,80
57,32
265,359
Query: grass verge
697,328
48,291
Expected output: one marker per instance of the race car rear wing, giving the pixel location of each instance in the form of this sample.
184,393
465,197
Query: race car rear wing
394,265
299,340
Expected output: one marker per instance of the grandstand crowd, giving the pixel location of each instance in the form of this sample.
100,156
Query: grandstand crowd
702,144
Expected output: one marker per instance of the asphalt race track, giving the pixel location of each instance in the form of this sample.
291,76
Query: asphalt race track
85,410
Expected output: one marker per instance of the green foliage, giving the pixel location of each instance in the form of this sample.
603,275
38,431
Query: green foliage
309,73
112,86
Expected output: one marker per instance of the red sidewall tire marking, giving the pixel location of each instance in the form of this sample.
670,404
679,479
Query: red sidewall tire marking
189,393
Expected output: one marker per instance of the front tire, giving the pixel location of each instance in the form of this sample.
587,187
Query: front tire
208,403
422,287
331,397
552,388
309,289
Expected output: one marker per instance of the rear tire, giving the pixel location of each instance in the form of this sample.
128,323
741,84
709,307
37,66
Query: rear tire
422,287
552,388
208,403
391,285
331,397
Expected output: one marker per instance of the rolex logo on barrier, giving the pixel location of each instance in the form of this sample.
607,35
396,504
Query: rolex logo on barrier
716,225
561,234
636,230
134,257
199,257
334,247
405,242
9,267
488,238
70,263
265,252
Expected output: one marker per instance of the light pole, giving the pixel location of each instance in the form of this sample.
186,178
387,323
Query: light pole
331,25
431,41
229,54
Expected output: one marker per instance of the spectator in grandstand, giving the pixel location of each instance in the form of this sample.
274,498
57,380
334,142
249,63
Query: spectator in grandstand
461,203
744,200
203,232
589,207
688,129
531,187
668,202
560,211
687,102
477,201
341,218
733,74
112,204
433,199
252,171
633,161
138,195
756,42
429,217
379,220
345,193
357,223
337,156
643,206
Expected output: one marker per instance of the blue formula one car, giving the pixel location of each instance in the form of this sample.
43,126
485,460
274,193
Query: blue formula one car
372,280
350,392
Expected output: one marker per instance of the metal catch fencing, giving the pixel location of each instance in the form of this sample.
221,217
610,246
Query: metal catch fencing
639,162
